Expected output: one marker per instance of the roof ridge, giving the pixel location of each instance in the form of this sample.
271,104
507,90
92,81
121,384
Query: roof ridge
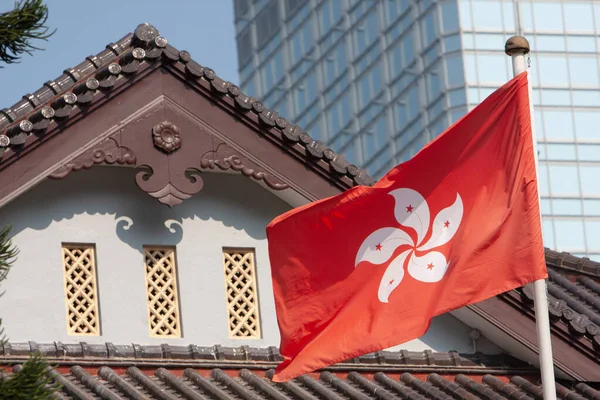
244,354
569,262
78,85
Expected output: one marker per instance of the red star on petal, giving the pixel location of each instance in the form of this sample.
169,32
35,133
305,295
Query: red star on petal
409,208
378,247
446,224
430,266
392,281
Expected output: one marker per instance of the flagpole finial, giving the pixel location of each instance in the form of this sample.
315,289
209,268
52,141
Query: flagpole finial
516,44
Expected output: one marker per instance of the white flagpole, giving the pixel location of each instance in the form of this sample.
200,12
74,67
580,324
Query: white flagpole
517,47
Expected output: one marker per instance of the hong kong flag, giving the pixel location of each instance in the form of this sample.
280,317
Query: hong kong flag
458,223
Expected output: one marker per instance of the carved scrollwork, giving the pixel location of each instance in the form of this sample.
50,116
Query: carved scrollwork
225,158
169,188
106,152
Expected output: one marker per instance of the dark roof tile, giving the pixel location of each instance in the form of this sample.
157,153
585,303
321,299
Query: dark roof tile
246,356
196,384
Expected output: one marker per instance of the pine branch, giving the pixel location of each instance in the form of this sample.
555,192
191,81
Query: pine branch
8,252
32,382
19,26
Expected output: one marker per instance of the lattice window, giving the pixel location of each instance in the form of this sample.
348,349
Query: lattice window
79,267
242,300
161,288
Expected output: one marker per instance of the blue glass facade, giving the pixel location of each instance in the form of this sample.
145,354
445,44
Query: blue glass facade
377,79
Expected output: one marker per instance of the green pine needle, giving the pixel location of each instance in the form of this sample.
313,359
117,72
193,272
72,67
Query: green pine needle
19,26
32,382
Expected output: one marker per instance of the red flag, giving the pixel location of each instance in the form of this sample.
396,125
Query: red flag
458,223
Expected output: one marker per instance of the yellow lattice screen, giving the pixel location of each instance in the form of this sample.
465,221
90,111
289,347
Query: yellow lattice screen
79,267
242,302
161,287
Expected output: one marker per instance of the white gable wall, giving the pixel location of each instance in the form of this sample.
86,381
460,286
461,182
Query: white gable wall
96,206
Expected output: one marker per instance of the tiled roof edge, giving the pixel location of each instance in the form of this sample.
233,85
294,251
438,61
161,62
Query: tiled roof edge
567,261
77,86
245,354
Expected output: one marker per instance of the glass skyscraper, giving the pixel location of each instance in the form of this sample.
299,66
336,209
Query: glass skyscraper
377,79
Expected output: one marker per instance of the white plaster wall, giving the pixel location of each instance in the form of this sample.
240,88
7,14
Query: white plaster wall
97,206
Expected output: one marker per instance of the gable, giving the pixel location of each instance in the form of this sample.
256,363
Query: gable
123,106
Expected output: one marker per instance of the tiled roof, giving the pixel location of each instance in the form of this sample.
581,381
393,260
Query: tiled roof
574,300
25,122
245,356
171,384
107,371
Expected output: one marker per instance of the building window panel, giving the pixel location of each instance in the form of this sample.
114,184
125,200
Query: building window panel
79,271
581,44
587,124
487,14
301,42
267,22
578,16
548,233
548,16
586,98
591,207
449,9
457,97
563,180
569,234
589,179
365,33
273,71
526,16
370,85
553,97
583,70
509,16
329,14
454,70
553,70
244,46
376,137
553,43
429,30
161,289
457,114
560,152
543,181
545,207
394,8
588,152
566,207
464,8
592,231
242,296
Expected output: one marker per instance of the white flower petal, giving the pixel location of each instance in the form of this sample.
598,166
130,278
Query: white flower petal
445,225
392,277
379,246
411,210
430,268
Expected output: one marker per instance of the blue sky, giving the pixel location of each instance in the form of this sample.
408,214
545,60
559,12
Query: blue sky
84,27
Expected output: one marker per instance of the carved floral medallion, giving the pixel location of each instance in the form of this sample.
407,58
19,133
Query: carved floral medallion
166,136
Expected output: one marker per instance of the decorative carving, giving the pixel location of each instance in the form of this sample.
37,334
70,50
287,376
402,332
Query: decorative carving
224,157
170,189
166,136
106,152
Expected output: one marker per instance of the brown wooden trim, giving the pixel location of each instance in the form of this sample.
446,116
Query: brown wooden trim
520,327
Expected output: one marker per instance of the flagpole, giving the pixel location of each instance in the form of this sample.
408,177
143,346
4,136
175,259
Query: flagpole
517,47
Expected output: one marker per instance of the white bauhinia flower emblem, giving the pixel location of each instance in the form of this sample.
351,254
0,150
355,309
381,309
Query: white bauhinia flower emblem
411,211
